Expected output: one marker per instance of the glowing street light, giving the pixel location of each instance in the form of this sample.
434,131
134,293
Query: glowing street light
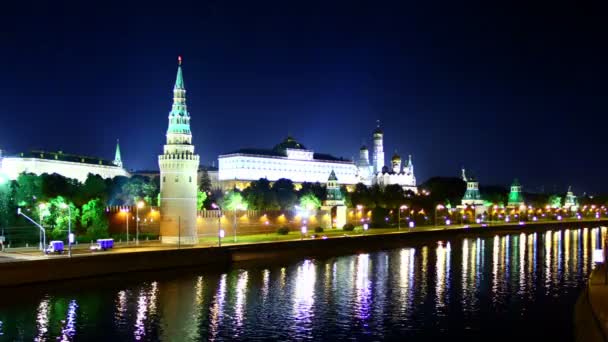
438,207
403,207
126,211
41,207
140,205
220,231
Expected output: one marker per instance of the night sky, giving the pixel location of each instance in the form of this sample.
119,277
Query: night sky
505,89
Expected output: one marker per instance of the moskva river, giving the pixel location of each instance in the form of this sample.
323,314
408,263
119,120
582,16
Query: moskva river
519,287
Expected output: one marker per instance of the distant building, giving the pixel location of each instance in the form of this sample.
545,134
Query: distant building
64,164
516,199
571,202
472,196
378,173
289,159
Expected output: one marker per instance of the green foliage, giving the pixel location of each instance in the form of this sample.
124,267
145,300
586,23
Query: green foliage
310,202
283,231
201,196
555,201
234,201
5,202
138,188
316,189
349,227
285,193
94,187
319,230
205,185
259,195
28,190
94,219
59,217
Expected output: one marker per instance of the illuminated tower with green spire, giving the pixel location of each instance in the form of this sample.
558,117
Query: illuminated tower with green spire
471,195
178,172
117,159
516,199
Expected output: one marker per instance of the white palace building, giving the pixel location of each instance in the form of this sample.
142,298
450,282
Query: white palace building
67,165
289,159
292,160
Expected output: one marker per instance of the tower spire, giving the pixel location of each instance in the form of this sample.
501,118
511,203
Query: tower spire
179,80
117,159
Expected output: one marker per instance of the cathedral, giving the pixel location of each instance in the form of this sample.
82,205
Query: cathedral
378,173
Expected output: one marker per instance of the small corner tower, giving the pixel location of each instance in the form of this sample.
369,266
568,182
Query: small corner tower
570,202
178,173
335,199
378,157
516,199
471,195
117,159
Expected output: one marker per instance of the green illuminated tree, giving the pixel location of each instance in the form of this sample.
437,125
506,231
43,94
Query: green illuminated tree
28,190
5,201
201,196
555,201
60,216
259,195
234,201
138,188
310,202
94,219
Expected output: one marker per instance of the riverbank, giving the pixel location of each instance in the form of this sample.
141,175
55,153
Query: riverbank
133,260
591,311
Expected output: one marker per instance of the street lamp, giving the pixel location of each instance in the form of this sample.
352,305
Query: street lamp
438,207
140,205
63,206
126,211
41,207
220,232
403,207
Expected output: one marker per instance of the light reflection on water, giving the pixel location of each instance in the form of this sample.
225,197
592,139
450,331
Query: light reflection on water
455,287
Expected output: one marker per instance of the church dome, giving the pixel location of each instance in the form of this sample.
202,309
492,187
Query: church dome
289,142
378,131
363,148
396,158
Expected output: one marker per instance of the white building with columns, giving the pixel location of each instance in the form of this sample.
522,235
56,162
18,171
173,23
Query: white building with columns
289,159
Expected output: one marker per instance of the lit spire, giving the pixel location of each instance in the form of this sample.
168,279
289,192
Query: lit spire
117,159
179,80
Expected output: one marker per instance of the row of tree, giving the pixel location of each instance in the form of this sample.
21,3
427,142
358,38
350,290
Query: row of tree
56,200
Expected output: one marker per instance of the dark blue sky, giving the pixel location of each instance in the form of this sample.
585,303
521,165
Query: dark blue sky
506,89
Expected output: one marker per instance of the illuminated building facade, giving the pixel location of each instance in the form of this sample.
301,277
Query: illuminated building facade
516,199
289,159
67,165
378,173
178,173
571,202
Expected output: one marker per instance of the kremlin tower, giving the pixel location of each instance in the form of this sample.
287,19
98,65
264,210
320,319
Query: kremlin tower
178,173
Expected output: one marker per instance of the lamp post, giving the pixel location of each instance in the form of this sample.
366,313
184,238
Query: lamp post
126,211
403,207
438,207
63,206
219,226
41,207
140,205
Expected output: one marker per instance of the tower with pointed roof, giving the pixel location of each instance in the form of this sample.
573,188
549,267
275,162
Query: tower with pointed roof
117,159
334,201
471,195
516,199
378,156
178,173
570,201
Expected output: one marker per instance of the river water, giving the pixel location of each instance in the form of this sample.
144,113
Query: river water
516,286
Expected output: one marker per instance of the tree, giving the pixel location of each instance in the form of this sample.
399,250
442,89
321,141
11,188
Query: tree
138,188
93,187
59,217
259,195
94,219
205,185
317,189
5,201
555,201
234,201
201,196
28,190
393,195
310,202
54,185
285,193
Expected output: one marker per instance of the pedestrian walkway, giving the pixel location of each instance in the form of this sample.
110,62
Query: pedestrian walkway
598,299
